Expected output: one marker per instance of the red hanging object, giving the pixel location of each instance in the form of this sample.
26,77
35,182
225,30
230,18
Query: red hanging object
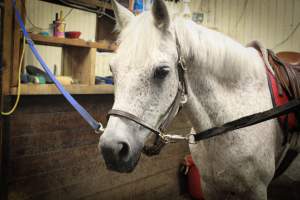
194,184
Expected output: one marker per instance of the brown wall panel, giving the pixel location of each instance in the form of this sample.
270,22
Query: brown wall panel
54,155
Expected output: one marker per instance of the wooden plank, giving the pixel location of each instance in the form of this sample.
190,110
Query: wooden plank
296,43
91,67
39,123
264,13
61,42
7,46
96,3
50,89
106,29
160,186
79,63
52,162
271,21
46,121
52,141
288,25
34,165
16,49
41,141
30,105
88,178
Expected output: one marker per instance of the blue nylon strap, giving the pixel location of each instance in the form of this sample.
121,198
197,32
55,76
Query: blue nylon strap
88,118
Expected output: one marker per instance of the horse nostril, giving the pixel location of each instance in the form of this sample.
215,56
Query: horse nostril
124,150
115,150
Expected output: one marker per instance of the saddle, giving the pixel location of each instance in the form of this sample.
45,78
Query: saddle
286,66
283,71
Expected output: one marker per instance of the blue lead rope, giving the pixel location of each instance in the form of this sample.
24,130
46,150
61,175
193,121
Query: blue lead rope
88,118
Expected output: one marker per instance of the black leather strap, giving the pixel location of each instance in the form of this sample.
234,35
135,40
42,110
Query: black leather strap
134,118
250,120
163,122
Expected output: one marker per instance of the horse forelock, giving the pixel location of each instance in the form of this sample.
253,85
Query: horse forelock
142,43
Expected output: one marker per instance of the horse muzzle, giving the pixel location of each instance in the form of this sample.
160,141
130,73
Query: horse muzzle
119,154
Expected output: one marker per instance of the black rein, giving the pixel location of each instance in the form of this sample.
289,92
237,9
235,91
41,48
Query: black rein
292,106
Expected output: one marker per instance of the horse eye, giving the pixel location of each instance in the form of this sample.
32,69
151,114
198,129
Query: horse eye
161,72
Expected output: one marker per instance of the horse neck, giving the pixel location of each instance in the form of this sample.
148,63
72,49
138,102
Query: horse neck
219,69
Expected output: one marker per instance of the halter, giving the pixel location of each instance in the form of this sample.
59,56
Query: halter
159,129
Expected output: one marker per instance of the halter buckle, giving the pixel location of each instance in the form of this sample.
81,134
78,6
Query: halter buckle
181,61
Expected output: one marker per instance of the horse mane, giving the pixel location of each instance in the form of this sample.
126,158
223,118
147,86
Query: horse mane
211,49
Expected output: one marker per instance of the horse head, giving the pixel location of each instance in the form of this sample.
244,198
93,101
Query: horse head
146,82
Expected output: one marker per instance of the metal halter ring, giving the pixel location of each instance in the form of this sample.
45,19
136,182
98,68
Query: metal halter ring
100,129
191,139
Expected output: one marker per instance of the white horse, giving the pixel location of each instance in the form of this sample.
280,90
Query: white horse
225,81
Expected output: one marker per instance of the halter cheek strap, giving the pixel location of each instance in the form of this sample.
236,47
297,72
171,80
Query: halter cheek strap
127,115
163,122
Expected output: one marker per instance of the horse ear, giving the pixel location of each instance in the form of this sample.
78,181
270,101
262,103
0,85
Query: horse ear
122,14
161,14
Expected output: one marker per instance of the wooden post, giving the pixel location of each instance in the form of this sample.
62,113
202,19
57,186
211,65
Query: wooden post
7,46
79,63
5,84
16,47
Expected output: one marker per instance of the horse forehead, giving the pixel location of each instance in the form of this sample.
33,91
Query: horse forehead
141,51
145,47
140,61
145,55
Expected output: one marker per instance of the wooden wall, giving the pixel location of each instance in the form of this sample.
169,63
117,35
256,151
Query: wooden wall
276,23
53,155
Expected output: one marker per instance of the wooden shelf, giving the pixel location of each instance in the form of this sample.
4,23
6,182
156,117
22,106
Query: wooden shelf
50,89
61,42
93,3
